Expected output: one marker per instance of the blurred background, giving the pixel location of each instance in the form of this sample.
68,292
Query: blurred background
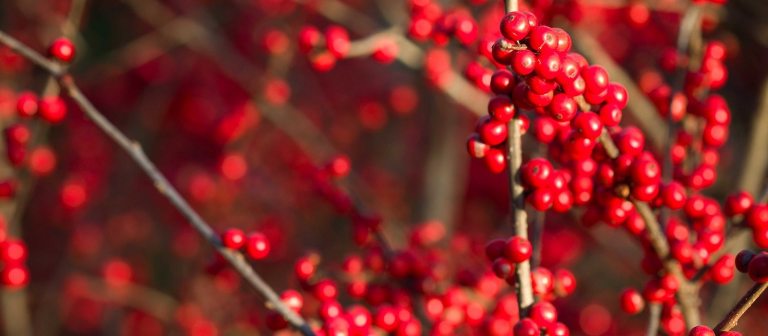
240,120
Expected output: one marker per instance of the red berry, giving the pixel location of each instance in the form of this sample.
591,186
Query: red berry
52,109
543,313
596,78
495,249
476,148
233,238
673,195
536,172
526,327
337,41
26,104
588,125
493,132
542,38
62,49
548,64
610,115
14,276
523,62
495,160
565,282
722,271
631,301
563,107
257,246
701,331
518,249
501,109
646,171
503,82
515,26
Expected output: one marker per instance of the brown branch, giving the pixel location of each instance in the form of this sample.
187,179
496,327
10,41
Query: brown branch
134,150
654,317
732,318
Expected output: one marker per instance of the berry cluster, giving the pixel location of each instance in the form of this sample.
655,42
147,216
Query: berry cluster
324,48
256,244
754,264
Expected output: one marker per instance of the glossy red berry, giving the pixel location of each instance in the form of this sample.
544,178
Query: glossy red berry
518,249
523,62
738,204
588,125
503,82
548,64
515,26
541,199
610,115
646,171
543,313
563,107
257,246
476,148
526,327
233,239
536,172
495,160
701,331
52,109
501,108
337,41
723,270
596,78
631,301
62,49
673,195
493,132
542,38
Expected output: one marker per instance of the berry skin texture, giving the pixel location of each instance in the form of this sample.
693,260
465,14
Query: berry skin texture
62,49
495,160
518,249
563,107
515,26
758,268
493,132
543,38
257,246
631,301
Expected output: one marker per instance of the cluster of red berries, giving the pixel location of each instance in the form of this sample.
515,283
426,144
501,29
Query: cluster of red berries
428,20
13,255
255,244
324,48
696,103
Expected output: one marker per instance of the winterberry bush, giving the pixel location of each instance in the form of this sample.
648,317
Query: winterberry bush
403,167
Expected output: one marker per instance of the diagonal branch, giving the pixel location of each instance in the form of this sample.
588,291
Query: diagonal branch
133,149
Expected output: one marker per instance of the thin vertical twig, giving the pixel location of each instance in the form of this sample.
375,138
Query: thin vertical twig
654,319
519,217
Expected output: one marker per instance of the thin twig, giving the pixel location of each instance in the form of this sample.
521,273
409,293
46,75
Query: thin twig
134,150
732,319
654,317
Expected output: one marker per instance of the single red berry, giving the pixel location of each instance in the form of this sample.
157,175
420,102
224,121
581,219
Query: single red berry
758,267
545,129
523,62
617,95
646,171
62,49
563,40
292,299
337,41
738,203
673,195
526,327
757,217
588,125
13,251
495,160
558,329
493,132
515,26
631,301
495,249
52,109
26,104
543,313
537,172
563,107
233,239
501,108
14,276
596,79
542,281
503,82
723,270
565,282
502,268
325,290
518,249
548,64
309,38
610,115
542,38
257,246
701,331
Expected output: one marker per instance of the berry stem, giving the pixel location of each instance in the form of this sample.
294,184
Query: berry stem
523,283
134,150
687,295
654,317
732,318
